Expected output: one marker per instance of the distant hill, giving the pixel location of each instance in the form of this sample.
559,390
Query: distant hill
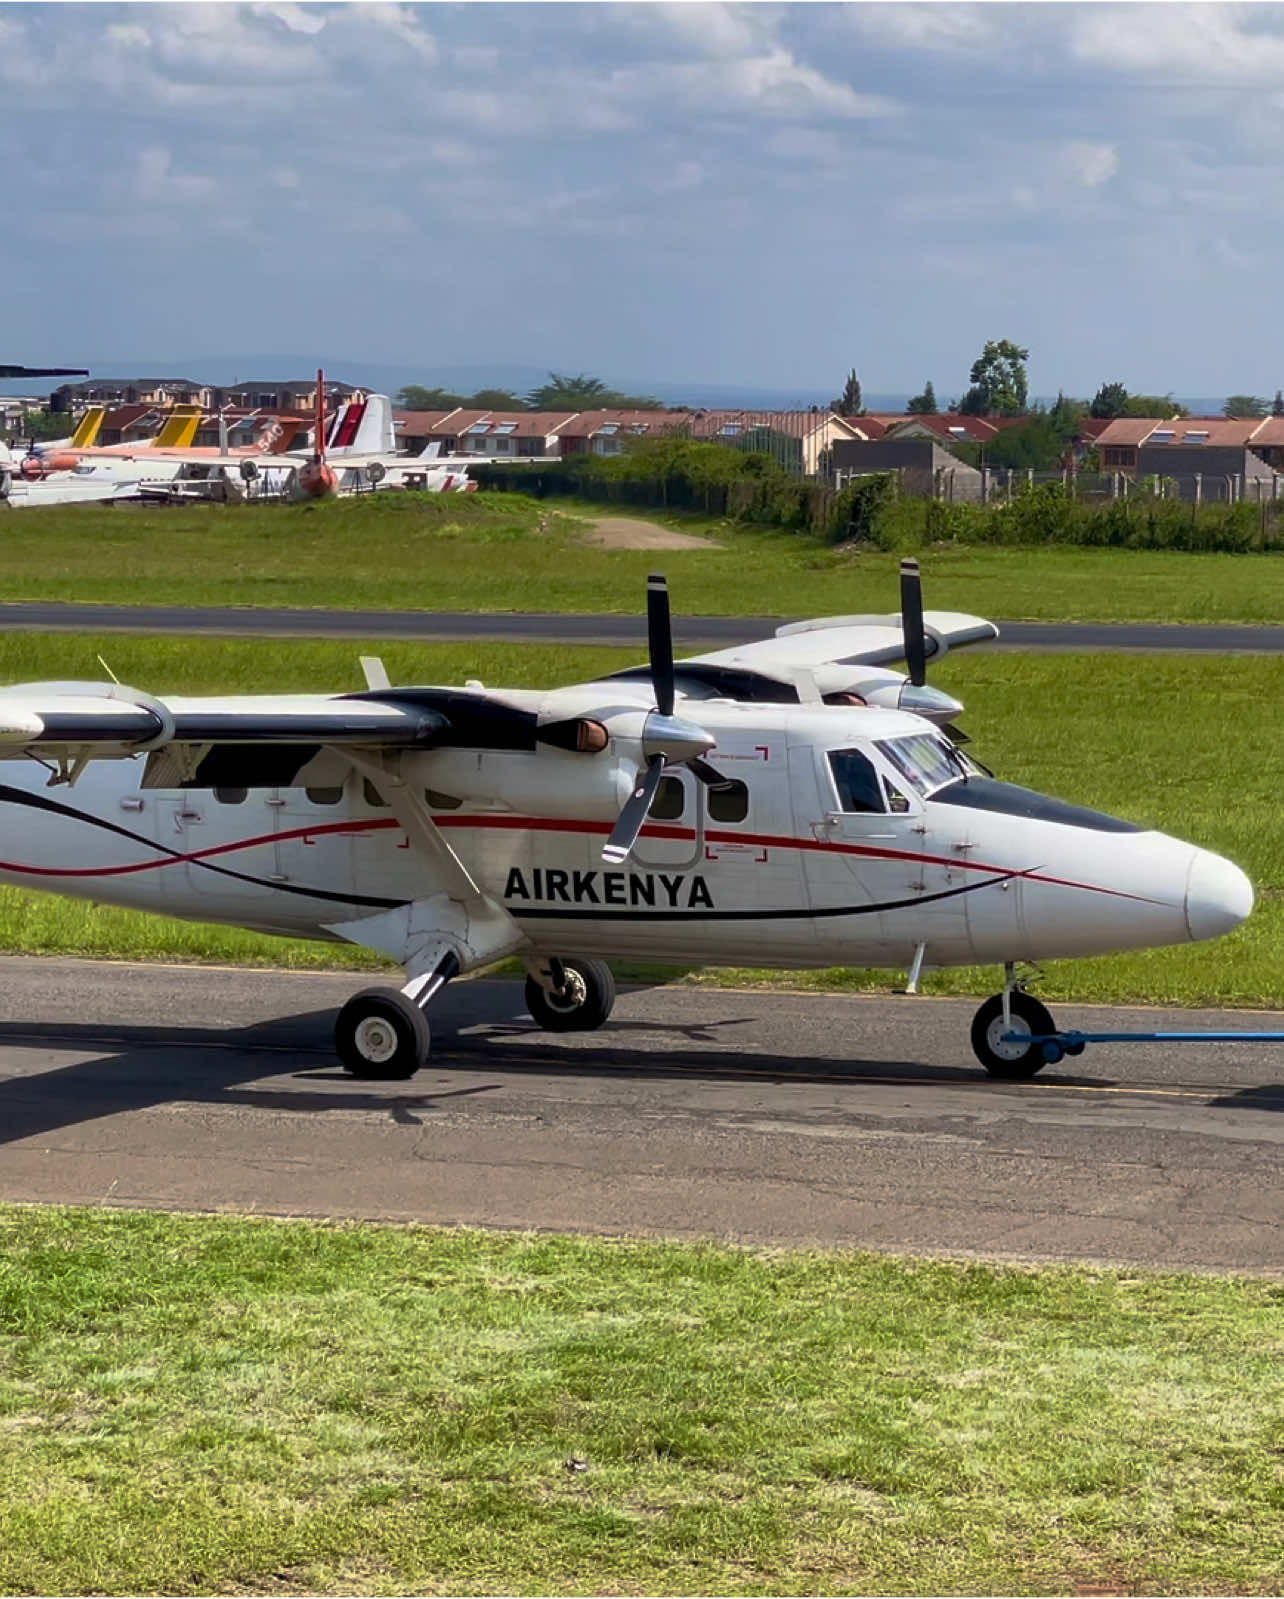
517,377
461,379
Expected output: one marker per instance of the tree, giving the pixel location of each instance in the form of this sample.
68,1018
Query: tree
999,381
1044,440
923,404
1244,405
1109,400
1278,408
414,397
564,393
1153,405
496,400
583,393
849,402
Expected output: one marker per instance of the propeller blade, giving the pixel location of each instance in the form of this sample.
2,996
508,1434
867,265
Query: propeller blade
707,774
912,622
660,638
624,835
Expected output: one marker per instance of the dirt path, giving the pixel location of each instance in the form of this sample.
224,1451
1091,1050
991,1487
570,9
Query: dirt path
631,533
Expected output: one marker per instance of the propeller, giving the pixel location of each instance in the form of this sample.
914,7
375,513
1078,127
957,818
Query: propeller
666,739
912,622
918,696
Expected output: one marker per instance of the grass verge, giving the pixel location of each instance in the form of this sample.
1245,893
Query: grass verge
194,1405
1147,738
507,552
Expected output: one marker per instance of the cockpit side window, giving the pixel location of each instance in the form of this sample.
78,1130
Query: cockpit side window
856,781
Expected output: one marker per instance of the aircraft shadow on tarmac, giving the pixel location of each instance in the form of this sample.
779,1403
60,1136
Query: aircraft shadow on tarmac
137,1066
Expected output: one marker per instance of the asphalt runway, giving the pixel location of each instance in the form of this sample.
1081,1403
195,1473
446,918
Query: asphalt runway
545,627
771,1118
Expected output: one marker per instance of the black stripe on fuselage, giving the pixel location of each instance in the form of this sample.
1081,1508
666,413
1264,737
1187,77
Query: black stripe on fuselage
42,802
523,913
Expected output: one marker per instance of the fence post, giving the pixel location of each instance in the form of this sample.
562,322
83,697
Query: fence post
1029,477
1199,490
985,485
1114,485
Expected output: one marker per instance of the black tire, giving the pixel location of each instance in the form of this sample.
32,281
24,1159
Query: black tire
381,1036
586,1003
1010,1061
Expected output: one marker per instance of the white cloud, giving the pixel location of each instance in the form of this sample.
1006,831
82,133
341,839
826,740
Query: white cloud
775,84
1188,44
1089,164
948,28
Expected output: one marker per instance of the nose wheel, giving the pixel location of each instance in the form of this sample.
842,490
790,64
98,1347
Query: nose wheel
381,1035
1004,1045
582,996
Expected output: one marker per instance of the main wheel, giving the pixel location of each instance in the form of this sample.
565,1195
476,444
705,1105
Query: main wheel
381,1035
1017,1059
584,1001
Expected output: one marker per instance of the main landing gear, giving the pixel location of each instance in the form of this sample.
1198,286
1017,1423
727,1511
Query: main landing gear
1004,1030
382,1034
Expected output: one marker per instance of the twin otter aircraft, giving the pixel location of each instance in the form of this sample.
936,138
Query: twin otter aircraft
807,807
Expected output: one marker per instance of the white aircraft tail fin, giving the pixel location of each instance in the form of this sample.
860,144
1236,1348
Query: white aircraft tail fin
430,451
364,427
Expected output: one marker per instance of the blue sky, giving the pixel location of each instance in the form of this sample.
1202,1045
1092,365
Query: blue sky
762,194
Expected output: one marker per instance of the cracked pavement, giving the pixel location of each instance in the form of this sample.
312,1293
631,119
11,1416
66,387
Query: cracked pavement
762,1117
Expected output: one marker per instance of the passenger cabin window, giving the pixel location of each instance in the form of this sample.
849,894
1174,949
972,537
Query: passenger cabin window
325,796
856,781
669,800
728,802
373,797
231,796
442,802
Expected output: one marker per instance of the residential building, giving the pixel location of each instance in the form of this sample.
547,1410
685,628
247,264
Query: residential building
923,466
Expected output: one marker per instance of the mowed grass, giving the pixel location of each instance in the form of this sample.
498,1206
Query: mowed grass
200,1405
1186,744
505,552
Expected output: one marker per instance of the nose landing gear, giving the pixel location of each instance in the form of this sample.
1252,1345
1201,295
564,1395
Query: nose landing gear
570,996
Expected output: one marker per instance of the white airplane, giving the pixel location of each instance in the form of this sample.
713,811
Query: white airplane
836,823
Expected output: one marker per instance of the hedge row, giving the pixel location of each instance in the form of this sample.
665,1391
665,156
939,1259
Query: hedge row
682,474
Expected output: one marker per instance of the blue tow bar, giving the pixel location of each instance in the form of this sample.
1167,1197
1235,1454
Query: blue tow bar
1056,1045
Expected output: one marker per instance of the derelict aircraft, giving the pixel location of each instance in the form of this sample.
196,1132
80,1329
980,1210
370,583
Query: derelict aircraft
788,803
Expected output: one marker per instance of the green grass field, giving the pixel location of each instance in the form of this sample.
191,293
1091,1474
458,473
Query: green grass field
233,1406
509,553
1143,737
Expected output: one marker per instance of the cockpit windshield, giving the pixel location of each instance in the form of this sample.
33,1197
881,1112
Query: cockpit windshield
926,761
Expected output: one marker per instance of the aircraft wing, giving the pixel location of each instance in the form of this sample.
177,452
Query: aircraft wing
853,641
265,740
834,658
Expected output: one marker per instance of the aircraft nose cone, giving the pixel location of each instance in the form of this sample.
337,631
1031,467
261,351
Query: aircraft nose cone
1218,896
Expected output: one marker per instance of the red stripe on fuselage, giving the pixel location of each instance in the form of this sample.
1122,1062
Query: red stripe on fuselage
551,824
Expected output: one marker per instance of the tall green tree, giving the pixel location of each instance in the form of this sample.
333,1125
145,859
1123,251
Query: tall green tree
414,397
1109,400
1043,440
1153,405
496,400
849,402
1000,385
1244,405
581,392
923,404
1277,409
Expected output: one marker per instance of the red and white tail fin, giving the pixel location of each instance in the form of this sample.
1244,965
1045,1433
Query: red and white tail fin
364,427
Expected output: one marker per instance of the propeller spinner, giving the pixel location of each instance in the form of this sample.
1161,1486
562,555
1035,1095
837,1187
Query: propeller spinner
667,740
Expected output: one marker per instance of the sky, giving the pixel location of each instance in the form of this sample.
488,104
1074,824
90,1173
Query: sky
757,194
